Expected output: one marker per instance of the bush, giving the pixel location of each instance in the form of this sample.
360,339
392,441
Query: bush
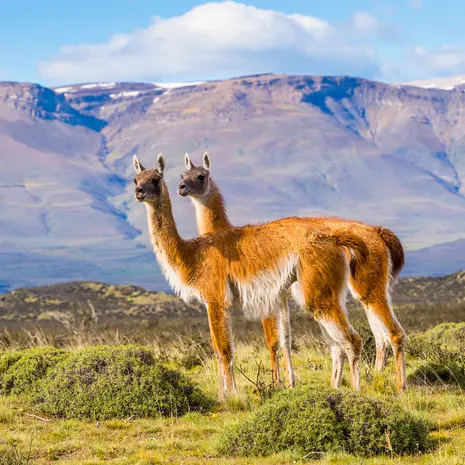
115,382
430,374
20,371
442,351
452,335
325,420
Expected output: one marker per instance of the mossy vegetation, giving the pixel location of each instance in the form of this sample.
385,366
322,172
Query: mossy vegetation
20,371
321,420
99,383
441,351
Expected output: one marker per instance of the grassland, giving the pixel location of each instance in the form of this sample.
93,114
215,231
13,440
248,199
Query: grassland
192,438
29,436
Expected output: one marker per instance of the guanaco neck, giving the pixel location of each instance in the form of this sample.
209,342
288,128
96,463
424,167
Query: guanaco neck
166,241
210,211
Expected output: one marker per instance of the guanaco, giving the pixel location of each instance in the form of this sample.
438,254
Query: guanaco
370,282
251,267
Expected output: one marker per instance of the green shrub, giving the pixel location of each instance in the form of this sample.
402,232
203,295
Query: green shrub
446,338
442,351
116,382
20,371
452,335
324,420
430,374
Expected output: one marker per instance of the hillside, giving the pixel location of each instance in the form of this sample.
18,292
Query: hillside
280,145
120,303
46,303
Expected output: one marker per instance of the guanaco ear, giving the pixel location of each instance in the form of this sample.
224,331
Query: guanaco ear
206,161
137,165
187,162
160,163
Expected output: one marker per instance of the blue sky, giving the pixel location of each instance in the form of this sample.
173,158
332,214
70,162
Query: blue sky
55,42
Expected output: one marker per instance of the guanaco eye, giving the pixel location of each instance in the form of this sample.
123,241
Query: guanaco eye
134,181
154,181
201,177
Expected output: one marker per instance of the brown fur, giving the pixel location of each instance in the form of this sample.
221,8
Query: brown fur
242,255
270,327
370,278
396,250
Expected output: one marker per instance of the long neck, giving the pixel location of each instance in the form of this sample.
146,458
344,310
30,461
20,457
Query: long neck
164,235
211,211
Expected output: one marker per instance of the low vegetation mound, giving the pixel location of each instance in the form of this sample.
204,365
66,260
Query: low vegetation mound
451,335
322,420
100,382
21,370
432,374
442,353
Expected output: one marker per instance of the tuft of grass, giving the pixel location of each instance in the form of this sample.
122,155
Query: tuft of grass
12,455
194,351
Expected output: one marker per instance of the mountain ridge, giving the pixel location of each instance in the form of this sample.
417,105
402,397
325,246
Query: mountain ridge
281,145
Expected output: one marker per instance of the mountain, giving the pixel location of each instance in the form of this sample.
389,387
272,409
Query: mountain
280,145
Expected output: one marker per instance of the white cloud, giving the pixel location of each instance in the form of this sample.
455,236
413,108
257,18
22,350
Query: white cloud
216,40
441,62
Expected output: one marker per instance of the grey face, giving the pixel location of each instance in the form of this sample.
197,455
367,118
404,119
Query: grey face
149,183
148,186
194,182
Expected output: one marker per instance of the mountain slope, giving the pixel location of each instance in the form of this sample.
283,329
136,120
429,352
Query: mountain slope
280,145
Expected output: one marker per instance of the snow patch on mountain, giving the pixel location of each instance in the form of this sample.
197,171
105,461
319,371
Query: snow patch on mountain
447,83
100,85
175,85
129,93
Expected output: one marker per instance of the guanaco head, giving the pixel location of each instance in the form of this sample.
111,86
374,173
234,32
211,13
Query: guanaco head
196,180
149,183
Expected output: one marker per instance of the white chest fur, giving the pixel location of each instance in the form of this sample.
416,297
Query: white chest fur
180,288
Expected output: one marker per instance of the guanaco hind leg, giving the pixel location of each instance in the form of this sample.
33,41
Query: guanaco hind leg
373,289
270,327
337,357
390,330
323,290
342,334
286,341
